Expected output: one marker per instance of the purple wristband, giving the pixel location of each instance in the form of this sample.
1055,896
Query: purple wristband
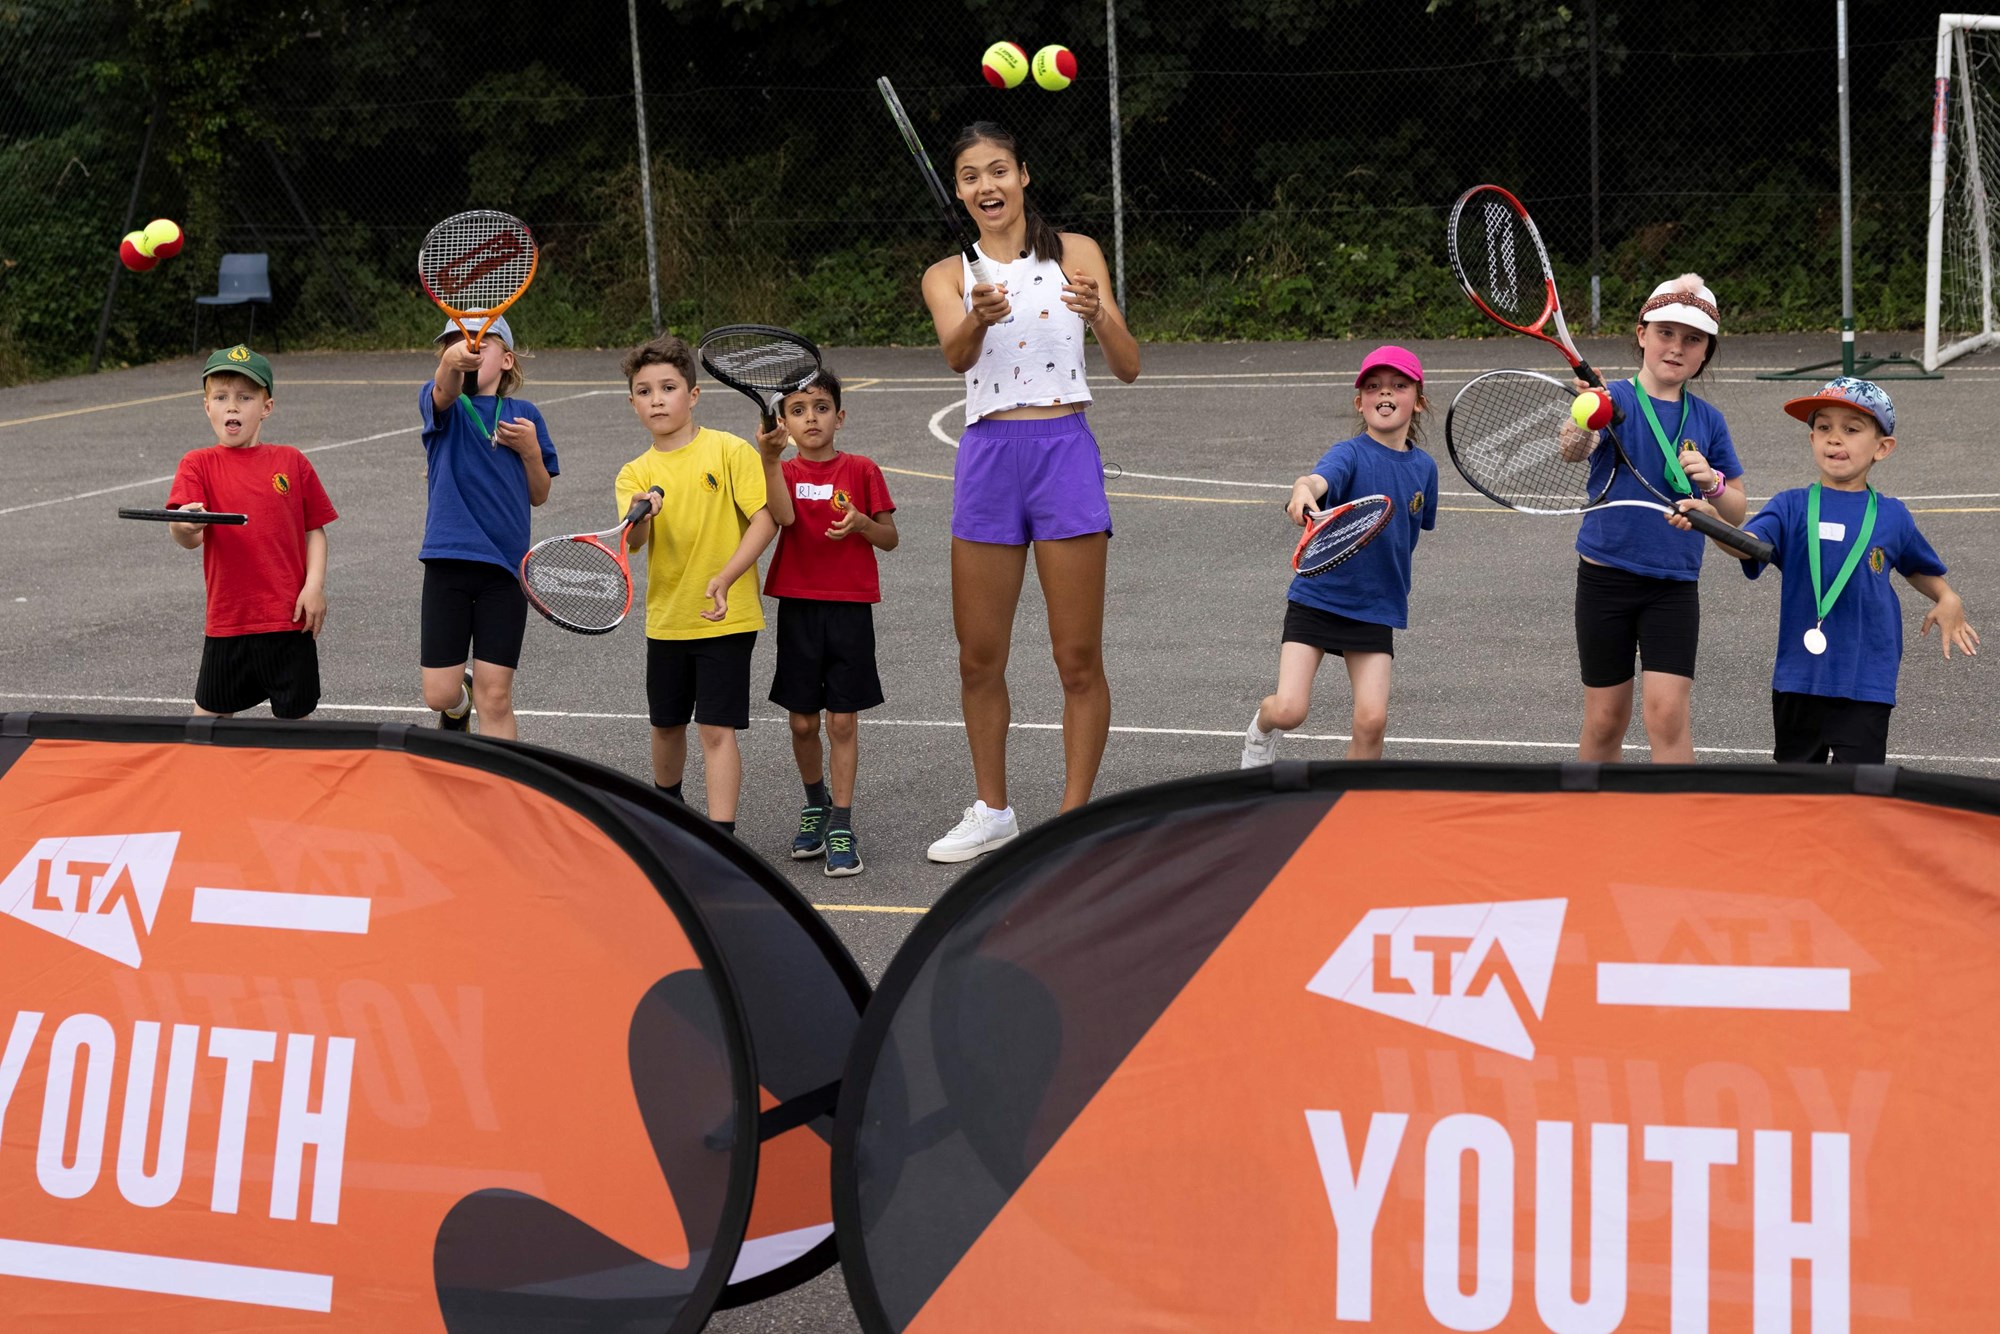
1721,485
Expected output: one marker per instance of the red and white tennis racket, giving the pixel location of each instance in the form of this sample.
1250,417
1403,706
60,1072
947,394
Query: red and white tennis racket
474,265
1503,266
583,581
1332,536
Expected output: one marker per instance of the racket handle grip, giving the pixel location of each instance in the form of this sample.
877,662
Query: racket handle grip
1585,371
1752,548
637,509
981,274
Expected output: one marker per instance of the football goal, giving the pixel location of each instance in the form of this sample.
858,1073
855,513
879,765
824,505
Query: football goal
1962,277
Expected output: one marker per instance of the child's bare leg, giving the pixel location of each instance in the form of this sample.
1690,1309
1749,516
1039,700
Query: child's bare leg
200,712
806,748
1286,710
1368,673
1607,712
843,733
444,688
493,699
722,770
670,753
1666,701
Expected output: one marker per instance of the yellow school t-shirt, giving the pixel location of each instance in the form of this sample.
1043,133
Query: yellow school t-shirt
713,486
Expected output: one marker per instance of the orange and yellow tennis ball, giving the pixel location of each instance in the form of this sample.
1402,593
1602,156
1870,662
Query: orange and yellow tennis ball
1592,410
135,254
1054,67
1004,65
164,236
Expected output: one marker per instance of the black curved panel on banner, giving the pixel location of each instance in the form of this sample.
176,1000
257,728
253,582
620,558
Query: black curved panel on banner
1211,1056
500,1022
802,998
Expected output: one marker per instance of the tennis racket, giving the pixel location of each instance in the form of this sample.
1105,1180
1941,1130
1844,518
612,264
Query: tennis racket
183,516
1510,435
1503,266
582,582
761,362
474,265
1334,535
948,205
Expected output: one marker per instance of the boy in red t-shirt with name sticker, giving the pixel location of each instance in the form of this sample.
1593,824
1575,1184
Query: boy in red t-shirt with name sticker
267,578
834,513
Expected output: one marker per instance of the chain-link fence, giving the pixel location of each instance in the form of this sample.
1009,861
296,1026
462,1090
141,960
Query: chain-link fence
1286,165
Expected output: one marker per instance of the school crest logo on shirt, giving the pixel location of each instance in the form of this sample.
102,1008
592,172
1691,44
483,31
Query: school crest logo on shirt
1417,503
708,480
1877,559
281,484
841,504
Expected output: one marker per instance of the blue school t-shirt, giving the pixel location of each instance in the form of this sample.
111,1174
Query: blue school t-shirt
1374,585
1864,628
478,490
1642,541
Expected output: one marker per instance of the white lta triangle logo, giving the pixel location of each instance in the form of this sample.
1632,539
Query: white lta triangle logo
100,891
1477,971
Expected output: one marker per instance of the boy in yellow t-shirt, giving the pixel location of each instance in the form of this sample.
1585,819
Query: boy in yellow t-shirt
702,608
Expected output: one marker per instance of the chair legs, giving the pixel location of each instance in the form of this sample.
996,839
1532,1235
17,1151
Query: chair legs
277,342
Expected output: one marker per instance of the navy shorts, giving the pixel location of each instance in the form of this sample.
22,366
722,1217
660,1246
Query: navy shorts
826,657
1330,632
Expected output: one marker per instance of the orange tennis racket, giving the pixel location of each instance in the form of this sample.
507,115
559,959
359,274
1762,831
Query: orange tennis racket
474,265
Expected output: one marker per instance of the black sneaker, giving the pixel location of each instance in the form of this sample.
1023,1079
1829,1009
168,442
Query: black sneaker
843,854
461,721
811,840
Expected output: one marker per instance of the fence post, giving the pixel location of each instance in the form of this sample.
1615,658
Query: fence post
1117,156
645,169
1596,245
131,212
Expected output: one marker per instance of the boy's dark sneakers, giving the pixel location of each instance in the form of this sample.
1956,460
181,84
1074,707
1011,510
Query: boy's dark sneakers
811,840
460,721
843,854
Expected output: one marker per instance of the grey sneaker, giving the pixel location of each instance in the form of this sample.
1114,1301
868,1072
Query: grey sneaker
982,830
843,854
811,839
461,720
1259,747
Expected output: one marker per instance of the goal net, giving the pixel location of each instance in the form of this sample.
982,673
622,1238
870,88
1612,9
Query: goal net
1962,280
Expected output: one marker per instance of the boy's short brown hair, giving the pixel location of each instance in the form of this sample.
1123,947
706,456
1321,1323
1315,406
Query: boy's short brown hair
232,378
665,350
827,382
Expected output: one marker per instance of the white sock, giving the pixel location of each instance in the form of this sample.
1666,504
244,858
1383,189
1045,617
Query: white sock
464,704
1004,813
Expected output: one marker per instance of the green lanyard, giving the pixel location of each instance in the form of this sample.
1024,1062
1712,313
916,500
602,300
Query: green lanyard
1675,473
499,405
1823,602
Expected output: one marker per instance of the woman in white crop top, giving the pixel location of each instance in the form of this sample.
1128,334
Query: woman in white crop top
1028,469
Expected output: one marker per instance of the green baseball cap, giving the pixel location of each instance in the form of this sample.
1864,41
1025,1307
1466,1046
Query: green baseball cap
238,360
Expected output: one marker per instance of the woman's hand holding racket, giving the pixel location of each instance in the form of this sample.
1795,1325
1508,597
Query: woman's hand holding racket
1081,295
990,305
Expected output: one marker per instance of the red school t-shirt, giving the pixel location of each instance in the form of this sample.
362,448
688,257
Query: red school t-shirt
254,571
809,564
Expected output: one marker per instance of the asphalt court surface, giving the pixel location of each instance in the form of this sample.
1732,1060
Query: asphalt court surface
102,616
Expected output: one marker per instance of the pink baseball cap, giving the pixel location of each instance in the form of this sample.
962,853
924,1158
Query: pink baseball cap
1399,359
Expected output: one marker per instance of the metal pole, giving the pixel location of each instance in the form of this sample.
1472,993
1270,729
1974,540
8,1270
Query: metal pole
1934,247
1846,211
1117,155
1596,243
645,168
118,265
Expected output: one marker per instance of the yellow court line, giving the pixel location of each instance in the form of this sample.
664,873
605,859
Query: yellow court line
1192,500
912,472
102,407
865,907
1990,509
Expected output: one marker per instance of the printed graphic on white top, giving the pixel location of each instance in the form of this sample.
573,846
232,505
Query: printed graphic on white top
1477,971
100,891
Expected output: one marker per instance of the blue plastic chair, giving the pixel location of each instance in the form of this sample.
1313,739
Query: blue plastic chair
244,280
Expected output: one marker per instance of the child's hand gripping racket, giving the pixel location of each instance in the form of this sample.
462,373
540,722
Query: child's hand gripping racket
474,265
762,362
583,581
1333,536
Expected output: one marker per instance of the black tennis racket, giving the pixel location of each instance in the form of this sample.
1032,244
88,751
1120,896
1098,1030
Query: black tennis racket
1335,535
948,205
762,362
583,581
183,516
1501,262
1511,436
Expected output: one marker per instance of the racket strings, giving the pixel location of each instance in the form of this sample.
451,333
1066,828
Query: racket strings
1344,532
1507,437
1340,536
765,365
578,582
477,261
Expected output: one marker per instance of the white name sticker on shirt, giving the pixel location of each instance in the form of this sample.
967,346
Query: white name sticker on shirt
807,491
1832,532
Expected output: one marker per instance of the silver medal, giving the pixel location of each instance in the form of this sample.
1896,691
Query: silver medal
1815,641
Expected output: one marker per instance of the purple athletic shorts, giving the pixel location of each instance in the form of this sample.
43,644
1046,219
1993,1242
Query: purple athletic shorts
1033,480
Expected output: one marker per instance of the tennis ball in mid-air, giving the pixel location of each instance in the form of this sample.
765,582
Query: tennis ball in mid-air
1054,67
163,235
1004,65
1592,410
135,254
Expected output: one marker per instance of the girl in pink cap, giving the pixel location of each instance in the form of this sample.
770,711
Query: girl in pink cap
1028,469
1355,610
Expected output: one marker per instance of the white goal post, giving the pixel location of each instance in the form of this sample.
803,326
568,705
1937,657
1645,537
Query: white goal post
1961,271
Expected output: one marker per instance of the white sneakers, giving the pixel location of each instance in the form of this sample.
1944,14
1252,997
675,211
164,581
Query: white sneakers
982,830
1259,747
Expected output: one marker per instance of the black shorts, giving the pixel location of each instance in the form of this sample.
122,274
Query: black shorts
826,657
1330,632
472,603
704,679
1821,729
1619,613
241,671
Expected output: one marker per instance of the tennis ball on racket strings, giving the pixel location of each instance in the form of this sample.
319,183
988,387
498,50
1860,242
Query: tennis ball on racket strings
164,236
1592,410
135,254
1004,65
1054,67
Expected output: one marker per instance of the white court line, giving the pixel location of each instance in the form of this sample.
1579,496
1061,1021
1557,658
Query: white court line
314,449
336,914
132,1272
1235,733
1701,986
